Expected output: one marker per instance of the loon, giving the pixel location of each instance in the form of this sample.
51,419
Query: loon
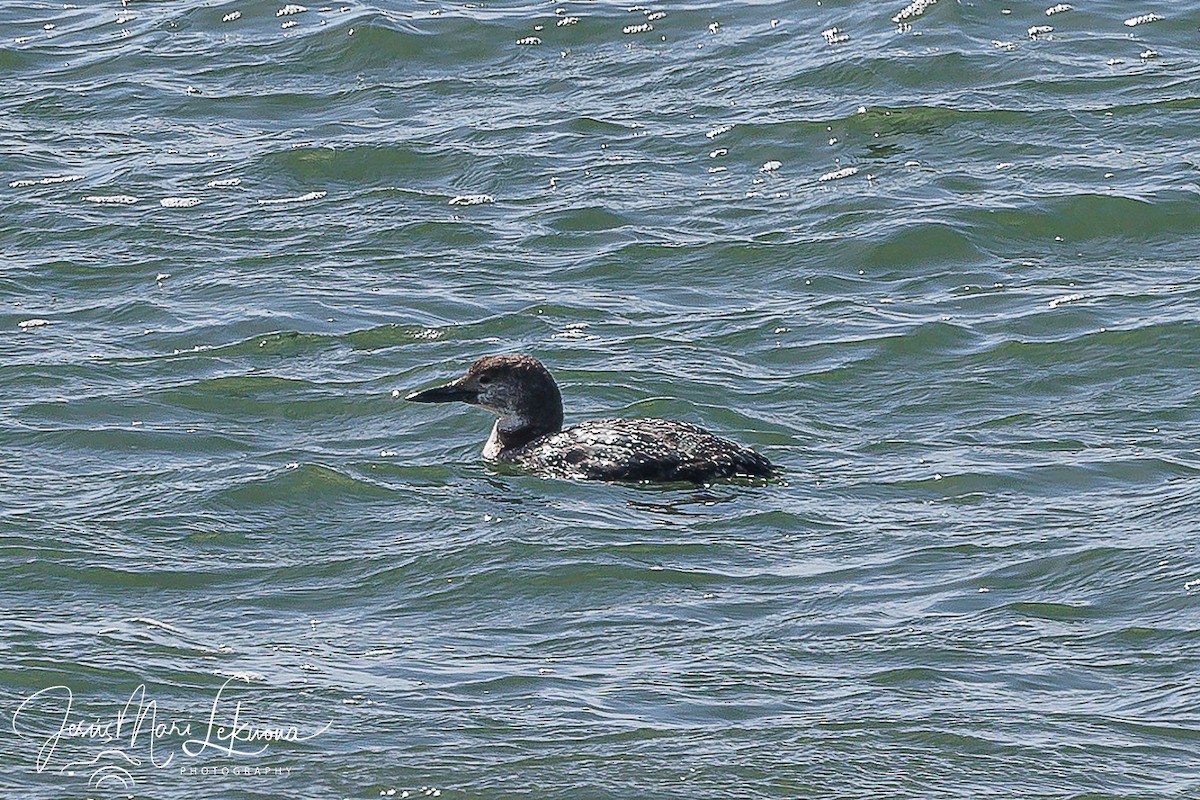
529,432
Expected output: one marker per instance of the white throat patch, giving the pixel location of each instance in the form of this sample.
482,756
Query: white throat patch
491,450
506,424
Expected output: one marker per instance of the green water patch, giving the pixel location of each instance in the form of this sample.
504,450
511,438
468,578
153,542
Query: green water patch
250,397
404,48
1082,472
1086,217
594,126
278,343
455,235
1080,570
919,245
1132,352
309,484
928,73
1060,612
358,165
922,344
116,442
383,337
926,119
587,219
910,677
12,60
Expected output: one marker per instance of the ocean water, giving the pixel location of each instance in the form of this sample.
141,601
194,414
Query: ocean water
942,270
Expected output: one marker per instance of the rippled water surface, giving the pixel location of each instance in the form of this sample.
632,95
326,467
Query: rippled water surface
942,269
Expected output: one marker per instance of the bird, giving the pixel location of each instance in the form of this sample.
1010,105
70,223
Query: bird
529,433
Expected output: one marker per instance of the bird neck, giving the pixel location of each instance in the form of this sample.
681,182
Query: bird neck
513,432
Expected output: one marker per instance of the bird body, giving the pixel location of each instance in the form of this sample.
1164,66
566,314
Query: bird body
529,432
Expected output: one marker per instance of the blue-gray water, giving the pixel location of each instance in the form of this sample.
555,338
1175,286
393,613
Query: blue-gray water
946,276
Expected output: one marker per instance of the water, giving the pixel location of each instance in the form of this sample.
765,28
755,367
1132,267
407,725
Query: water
944,275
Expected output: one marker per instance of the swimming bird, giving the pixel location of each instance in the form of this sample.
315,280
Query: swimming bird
529,433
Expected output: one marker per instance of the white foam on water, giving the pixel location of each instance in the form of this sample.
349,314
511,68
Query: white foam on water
1061,8
223,183
112,200
245,677
838,174
1062,301
179,202
835,36
642,28
153,623
913,10
48,181
1142,19
232,16
302,198
33,323
471,200
290,9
